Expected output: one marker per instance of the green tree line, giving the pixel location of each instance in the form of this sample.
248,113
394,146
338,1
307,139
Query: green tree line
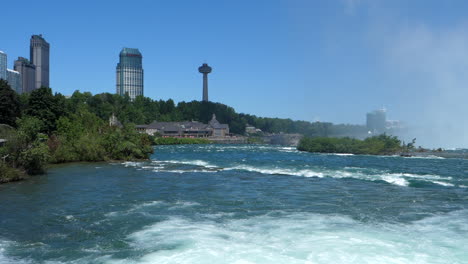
377,145
144,110
41,128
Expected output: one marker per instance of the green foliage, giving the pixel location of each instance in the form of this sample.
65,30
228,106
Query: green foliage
46,107
179,141
9,104
9,174
126,143
85,137
378,145
6,131
144,110
35,158
25,149
255,140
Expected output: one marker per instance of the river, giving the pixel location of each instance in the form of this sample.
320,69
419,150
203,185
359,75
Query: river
240,204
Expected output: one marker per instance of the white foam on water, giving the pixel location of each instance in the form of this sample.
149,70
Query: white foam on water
5,259
302,238
395,180
443,183
278,171
184,171
400,179
186,204
168,166
200,163
70,217
139,208
132,164
135,208
288,149
424,157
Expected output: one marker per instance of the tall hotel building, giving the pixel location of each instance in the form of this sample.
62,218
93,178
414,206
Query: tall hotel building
130,73
14,80
39,51
12,77
3,65
27,71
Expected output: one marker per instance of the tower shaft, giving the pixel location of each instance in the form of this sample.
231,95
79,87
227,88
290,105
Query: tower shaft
205,87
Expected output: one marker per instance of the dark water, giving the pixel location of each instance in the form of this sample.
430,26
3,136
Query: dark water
240,204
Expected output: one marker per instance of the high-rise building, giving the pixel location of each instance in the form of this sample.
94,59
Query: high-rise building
3,65
39,51
14,80
376,121
28,74
130,73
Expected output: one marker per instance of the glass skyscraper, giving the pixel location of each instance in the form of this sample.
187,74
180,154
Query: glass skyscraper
130,73
12,77
3,65
14,80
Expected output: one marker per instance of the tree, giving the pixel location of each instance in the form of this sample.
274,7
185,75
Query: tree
9,104
46,107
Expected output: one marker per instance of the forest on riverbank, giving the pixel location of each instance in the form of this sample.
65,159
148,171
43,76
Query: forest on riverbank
377,145
42,128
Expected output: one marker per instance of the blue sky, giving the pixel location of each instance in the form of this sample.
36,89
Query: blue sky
311,60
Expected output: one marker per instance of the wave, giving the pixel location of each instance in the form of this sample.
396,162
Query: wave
425,157
141,207
303,238
279,237
400,179
5,259
201,166
200,163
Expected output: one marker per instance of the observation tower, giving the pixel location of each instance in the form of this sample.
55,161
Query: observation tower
205,69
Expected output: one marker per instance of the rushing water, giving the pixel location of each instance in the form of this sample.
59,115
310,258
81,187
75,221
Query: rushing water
240,204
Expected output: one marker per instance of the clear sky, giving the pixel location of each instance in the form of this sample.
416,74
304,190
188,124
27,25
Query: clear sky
330,60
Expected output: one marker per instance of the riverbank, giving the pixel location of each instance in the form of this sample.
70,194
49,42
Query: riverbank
9,174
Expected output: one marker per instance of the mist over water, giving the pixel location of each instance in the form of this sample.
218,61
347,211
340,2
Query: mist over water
422,74
240,204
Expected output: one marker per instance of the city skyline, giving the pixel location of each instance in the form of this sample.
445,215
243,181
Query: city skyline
330,61
28,75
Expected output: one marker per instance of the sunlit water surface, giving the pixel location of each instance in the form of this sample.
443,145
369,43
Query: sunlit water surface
240,204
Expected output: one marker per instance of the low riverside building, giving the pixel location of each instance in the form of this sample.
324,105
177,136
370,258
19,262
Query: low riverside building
192,129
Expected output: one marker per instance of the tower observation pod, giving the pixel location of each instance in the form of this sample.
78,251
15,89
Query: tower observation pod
205,69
